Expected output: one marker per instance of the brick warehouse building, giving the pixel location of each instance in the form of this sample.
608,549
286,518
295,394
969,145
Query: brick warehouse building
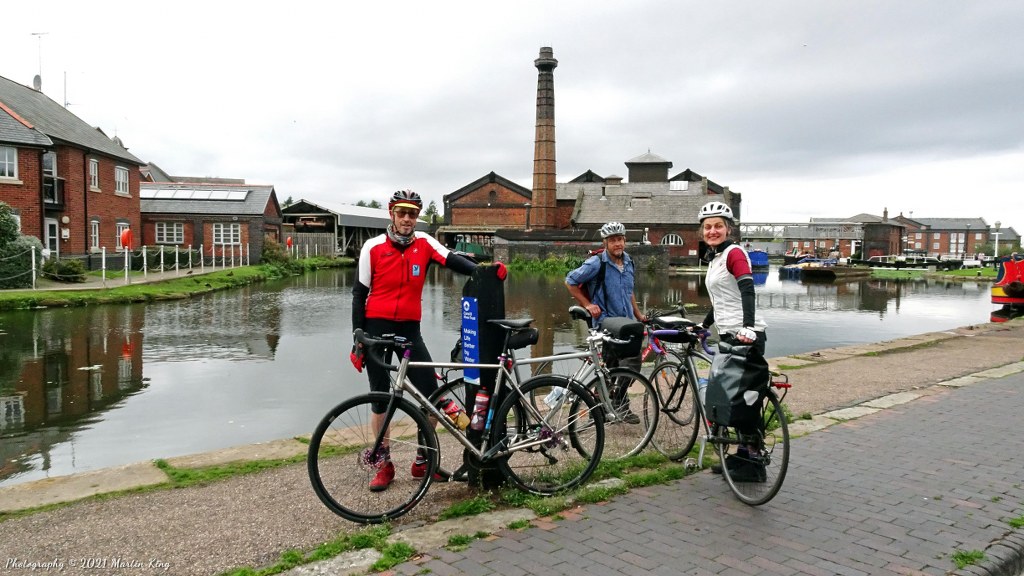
69,184
656,210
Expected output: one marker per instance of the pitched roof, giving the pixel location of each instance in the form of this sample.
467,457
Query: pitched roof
16,130
648,158
174,198
491,178
347,214
642,204
953,223
57,122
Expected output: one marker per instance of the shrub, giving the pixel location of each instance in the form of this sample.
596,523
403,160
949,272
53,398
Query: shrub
274,252
65,270
16,261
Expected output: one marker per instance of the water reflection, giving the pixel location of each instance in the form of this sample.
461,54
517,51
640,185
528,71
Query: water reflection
84,388
60,367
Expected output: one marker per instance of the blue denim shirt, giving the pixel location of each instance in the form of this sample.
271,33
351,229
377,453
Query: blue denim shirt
615,298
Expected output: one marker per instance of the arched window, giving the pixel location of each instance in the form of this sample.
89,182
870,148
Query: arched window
492,198
672,239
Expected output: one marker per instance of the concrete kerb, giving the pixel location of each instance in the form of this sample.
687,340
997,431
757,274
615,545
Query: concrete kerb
139,475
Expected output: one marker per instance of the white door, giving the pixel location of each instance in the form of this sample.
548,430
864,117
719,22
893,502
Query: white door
52,240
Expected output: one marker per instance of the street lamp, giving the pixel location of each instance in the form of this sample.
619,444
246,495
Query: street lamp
996,234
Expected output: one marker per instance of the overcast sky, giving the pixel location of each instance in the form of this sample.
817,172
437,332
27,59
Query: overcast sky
810,109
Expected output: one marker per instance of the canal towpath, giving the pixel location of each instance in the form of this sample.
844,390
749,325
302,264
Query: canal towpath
910,459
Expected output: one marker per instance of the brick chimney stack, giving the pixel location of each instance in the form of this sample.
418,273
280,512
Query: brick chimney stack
544,143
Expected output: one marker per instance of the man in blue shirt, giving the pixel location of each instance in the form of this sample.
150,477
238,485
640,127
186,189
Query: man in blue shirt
608,277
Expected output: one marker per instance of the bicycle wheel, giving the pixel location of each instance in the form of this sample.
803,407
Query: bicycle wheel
678,424
451,452
630,413
553,448
756,477
340,469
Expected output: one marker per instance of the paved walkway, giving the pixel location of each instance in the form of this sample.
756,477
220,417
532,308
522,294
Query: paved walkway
913,456
900,491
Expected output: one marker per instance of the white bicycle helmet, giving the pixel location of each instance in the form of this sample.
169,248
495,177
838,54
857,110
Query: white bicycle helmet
613,229
715,209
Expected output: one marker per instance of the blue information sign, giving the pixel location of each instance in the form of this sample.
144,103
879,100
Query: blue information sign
470,338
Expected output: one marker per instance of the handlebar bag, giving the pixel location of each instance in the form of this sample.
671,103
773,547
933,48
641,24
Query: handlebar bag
624,329
735,370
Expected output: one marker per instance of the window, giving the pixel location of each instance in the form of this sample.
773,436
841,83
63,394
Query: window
94,234
918,235
672,239
935,246
9,162
50,164
121,181
227,233
94,174
977,236
121,227
170,233
936,235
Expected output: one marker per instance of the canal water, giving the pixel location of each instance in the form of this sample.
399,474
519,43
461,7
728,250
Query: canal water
88,388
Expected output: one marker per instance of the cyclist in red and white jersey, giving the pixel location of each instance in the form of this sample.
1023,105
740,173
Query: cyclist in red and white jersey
387,299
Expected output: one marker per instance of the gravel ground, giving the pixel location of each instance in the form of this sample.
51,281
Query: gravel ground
251,520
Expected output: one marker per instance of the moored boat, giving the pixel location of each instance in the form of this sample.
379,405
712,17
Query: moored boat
833,273
1008,290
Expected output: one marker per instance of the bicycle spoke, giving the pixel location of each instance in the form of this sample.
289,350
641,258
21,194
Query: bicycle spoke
341,466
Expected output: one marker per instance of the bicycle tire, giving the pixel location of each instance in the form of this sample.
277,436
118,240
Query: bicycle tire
624,436
338,469
678,424
571,441
773,456
451,452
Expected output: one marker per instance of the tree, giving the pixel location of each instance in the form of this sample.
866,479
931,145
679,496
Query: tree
8,225
288,202
430,214
361,203
374,204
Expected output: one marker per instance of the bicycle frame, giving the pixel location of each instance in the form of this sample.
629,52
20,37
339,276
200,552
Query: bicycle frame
507,363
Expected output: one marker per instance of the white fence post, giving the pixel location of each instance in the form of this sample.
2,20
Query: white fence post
33,267
103,265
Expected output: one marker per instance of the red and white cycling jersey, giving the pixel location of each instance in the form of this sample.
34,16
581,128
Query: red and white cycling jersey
396,277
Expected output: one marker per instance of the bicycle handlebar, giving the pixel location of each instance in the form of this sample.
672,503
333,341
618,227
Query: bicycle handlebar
369,343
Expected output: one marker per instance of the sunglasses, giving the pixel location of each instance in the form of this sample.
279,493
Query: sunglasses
406,213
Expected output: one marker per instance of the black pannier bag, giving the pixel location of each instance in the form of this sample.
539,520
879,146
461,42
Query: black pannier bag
735,370
624,329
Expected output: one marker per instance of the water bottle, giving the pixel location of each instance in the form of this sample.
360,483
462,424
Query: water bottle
554,396
480,411
455,414
702,386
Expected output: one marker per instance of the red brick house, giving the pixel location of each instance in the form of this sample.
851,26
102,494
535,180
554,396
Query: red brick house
223,217
69,184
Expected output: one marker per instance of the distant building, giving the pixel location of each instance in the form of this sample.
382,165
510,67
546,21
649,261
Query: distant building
655,209
222,218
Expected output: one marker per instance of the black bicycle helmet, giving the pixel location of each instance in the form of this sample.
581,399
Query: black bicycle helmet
407,199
